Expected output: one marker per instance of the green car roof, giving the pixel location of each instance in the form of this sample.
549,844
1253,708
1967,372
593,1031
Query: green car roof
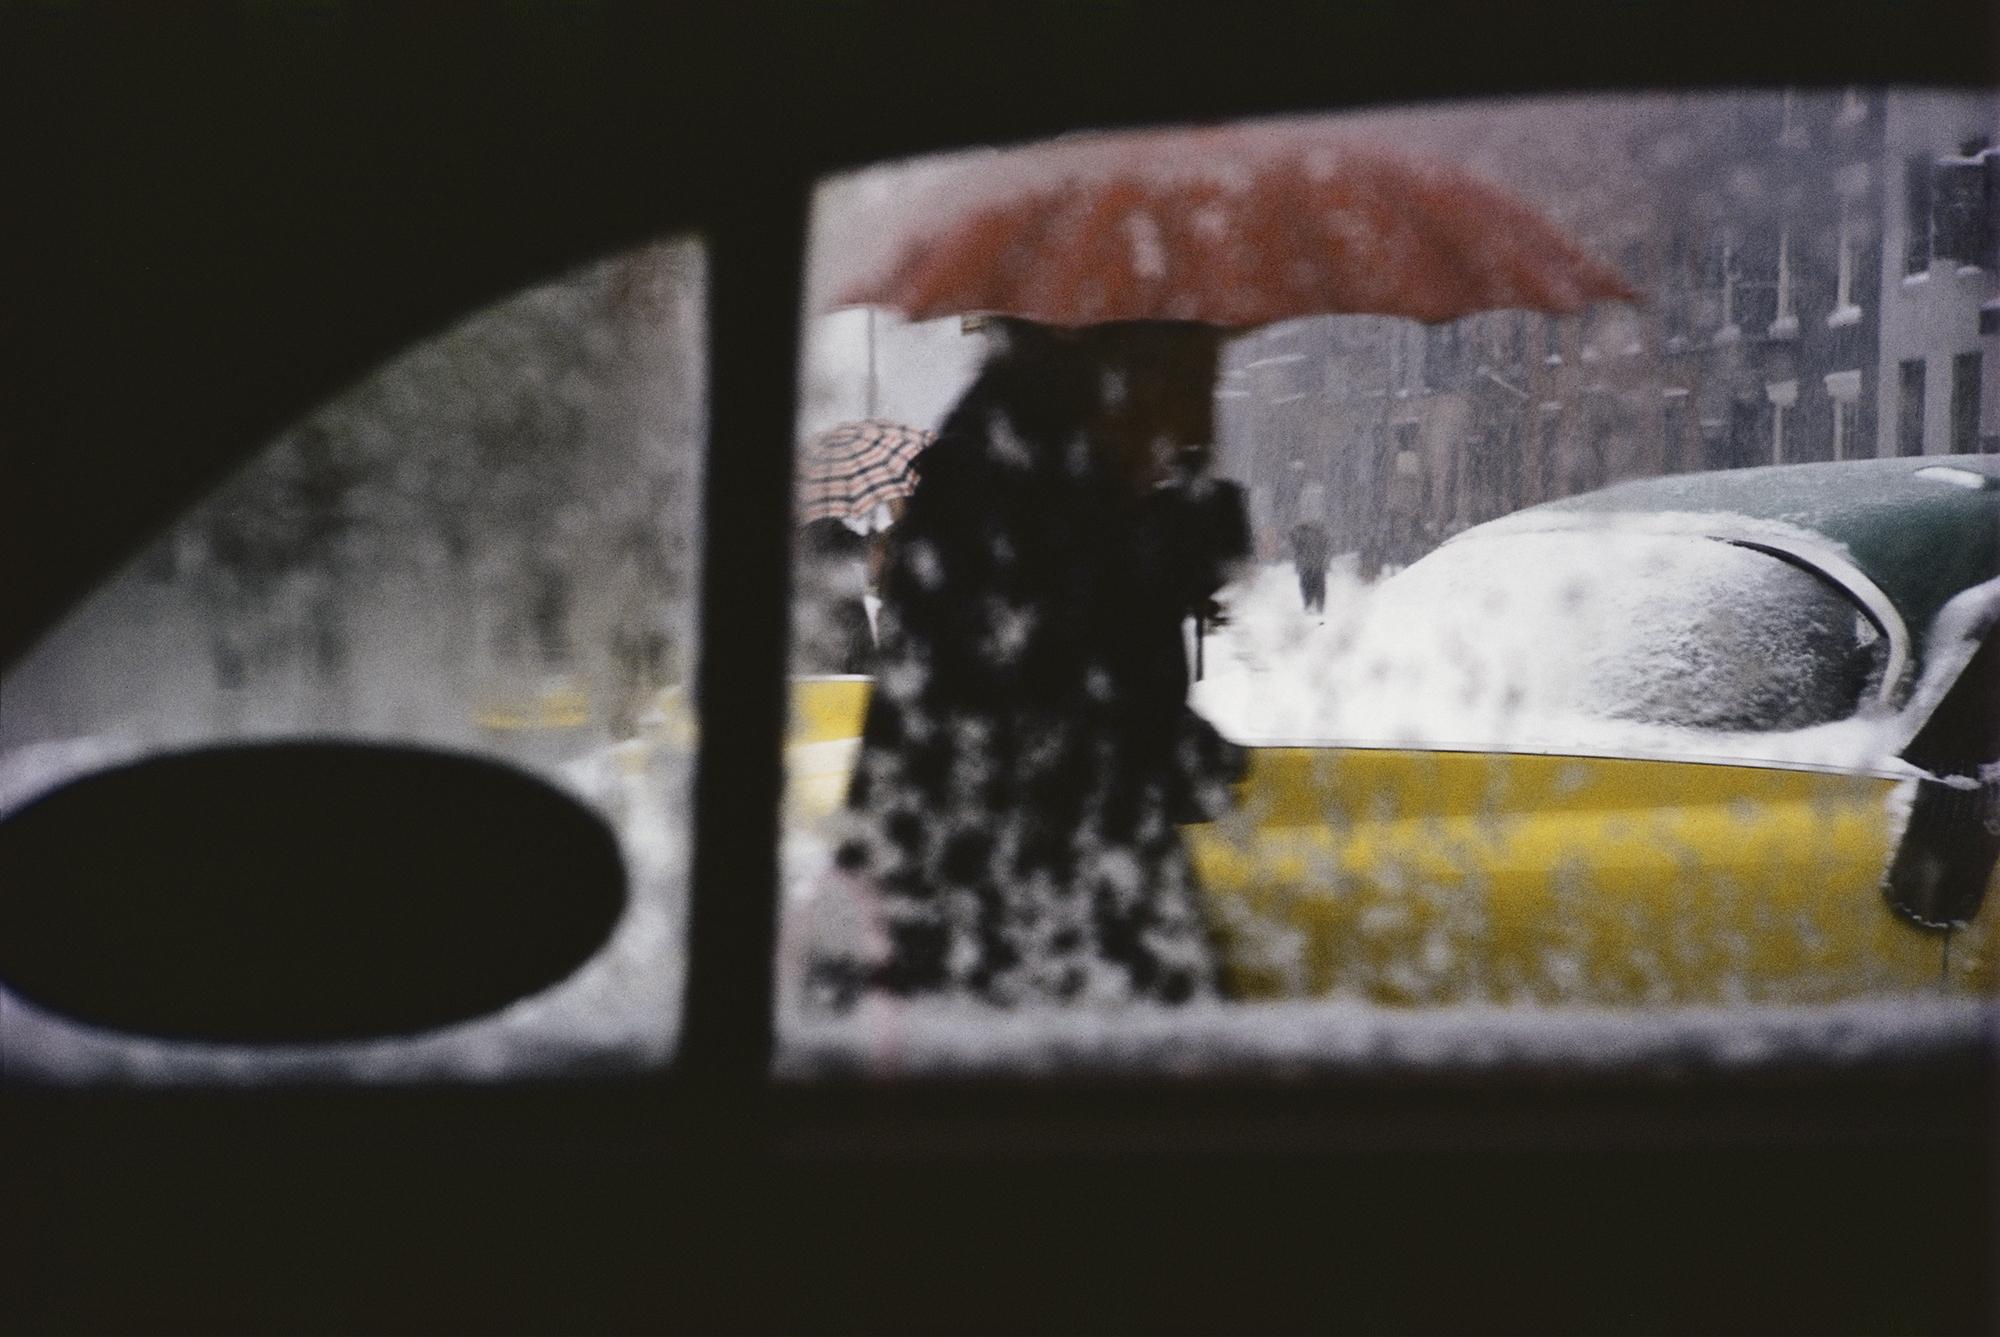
1922,537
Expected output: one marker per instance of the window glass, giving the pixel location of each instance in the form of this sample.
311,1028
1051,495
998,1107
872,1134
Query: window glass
1397,680
488,546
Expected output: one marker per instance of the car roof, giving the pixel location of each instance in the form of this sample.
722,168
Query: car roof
1923,528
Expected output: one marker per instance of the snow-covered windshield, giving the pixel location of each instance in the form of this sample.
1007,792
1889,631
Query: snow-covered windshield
1554,639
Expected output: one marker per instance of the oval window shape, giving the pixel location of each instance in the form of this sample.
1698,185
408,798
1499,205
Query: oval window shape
301,893
488,547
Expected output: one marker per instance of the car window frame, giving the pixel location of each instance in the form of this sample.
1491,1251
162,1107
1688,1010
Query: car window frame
646,1201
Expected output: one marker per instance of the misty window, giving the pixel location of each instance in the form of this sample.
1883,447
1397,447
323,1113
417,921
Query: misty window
489,545
1541,680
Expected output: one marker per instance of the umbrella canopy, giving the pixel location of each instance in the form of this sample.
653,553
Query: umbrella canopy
849,470
1230,227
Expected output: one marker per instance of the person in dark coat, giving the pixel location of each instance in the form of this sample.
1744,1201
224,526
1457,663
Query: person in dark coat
1312,548
834,635
1029,744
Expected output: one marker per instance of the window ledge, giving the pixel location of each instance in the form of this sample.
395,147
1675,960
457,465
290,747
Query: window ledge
1784,327
1843,315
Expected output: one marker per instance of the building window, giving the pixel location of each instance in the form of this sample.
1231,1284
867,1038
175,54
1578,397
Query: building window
1596,465
1674,319
1744,445
1728,276
1755,278
1590,335
1965,369
1552,340
1673,430
1916,214
1785,324
1551,423
1853,106
1719,278
1964,194
1791,126
1910,407
1844,309
1783,395
1444,354
1844,388
1511,485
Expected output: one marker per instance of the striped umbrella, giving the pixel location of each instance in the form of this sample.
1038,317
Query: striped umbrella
848,471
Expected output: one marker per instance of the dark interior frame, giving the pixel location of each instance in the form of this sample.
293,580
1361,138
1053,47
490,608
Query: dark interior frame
228,211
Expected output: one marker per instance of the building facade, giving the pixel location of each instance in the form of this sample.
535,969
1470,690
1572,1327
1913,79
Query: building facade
1772,233
1940,364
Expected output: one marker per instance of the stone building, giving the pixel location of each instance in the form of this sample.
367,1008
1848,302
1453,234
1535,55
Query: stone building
1769,230
1939,370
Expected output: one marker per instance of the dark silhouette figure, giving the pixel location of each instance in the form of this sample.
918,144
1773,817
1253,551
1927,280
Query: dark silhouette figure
1312,548
1029,745
834,635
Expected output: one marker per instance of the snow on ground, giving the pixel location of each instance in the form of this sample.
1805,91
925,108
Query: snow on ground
884,1038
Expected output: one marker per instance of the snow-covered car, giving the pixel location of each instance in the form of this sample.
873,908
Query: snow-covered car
1704,739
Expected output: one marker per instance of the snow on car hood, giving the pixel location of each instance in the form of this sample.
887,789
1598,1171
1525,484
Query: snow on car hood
1568,637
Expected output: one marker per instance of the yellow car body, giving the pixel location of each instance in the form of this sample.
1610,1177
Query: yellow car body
1422,877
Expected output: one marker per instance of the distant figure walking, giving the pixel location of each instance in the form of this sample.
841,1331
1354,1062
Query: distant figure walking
1312,548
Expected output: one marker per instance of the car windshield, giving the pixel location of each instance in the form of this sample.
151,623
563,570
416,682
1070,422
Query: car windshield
1580,638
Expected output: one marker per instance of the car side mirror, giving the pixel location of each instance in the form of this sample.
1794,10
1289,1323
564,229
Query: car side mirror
300,892
1944,866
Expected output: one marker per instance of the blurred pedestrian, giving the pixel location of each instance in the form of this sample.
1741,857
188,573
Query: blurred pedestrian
1312,549
835,633
1029,745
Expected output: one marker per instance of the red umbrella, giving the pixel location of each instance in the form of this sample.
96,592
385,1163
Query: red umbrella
1233,227
849,470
